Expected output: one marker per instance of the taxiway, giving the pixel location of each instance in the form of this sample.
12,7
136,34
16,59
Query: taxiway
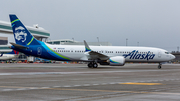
76,82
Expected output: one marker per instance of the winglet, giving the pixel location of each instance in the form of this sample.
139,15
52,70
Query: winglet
2,54
86,46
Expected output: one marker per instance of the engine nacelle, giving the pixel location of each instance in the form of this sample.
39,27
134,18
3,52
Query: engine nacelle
117,61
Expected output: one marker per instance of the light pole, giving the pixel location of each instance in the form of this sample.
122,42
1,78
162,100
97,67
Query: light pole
98,40
137,43
126,41
178,48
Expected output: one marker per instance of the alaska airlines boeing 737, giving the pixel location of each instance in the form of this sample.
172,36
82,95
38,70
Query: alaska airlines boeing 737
104,55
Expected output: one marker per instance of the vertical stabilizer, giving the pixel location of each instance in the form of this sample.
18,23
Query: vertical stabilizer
21,35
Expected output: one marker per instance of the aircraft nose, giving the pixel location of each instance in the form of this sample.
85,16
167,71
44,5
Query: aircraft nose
173,57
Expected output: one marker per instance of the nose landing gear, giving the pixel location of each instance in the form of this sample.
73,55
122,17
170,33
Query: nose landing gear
159,66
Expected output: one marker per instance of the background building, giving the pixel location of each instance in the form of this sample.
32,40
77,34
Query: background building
3,40
72,42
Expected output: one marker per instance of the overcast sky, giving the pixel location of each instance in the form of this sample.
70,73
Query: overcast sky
154,23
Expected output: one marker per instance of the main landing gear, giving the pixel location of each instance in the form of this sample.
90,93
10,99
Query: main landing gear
159,66
92,65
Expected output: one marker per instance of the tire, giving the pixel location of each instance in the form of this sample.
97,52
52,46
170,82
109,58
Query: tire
159,67
90,65
95,65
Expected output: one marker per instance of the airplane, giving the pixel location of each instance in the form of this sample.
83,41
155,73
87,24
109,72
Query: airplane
11,55
104,55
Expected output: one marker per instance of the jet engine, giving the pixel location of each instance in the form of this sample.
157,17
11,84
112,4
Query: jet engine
117,61
114,61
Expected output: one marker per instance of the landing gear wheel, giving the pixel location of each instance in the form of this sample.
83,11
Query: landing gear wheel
159,66
90,65
95,65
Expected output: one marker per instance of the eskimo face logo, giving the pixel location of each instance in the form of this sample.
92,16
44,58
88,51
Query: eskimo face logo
20,34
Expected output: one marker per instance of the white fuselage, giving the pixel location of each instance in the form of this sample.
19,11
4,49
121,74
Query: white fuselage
8,56
131,54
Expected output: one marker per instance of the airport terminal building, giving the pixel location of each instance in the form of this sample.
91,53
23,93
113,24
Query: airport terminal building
72,42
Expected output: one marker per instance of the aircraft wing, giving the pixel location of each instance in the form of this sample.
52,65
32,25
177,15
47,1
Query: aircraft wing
97,56
93,55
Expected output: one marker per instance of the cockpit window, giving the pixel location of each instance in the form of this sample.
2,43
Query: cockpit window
167,52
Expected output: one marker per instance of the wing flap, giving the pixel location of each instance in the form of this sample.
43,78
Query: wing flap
95,55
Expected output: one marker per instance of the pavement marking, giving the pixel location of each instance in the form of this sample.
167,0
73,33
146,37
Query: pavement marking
34,88
14,87
7,90
77,85
69,86
45,87
56,86
87,72
136,83
86,85
137,92
22,89
95,84
112,83
89,90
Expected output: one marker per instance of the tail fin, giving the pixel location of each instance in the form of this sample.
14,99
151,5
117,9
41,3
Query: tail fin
13,52
21,35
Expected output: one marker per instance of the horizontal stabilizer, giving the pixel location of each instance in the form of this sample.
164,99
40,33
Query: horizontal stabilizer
18,46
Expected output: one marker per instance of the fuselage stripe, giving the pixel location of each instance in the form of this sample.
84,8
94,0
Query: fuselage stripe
58,54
